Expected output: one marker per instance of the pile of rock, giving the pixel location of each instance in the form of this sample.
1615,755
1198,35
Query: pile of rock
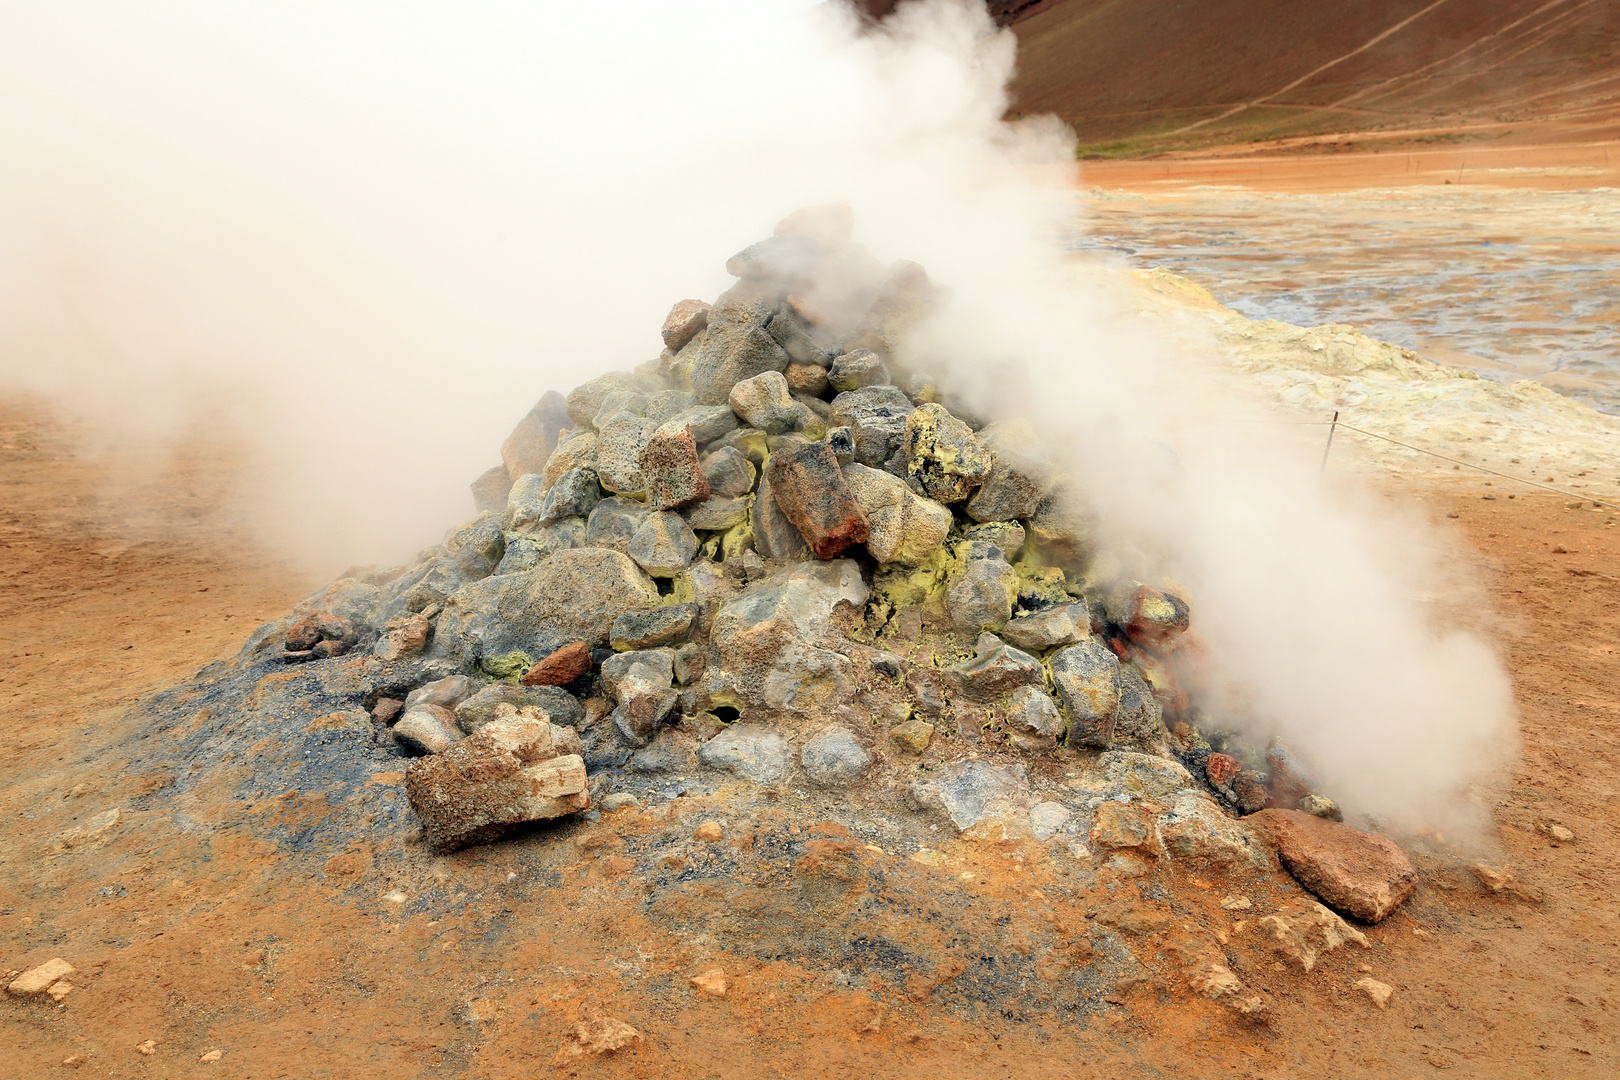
780,532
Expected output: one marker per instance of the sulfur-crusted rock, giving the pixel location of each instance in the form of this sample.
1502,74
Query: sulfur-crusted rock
614,521
903,527
489,784
641,684
1086,680
670,471
913,735
994,671
749,751
1064,624
854,370
834,757
1360,874
981,595
525,551
652,627
683,322
620,442
943,455
575,494
810,490
765,402
663,545
1147,615
428,729
1029,711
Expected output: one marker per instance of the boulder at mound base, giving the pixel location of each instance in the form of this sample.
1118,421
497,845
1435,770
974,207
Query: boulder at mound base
1358,873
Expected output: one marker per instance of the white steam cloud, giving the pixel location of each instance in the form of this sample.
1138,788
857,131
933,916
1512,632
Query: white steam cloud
367,236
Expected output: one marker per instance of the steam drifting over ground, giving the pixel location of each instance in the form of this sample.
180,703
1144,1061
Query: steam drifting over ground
366,239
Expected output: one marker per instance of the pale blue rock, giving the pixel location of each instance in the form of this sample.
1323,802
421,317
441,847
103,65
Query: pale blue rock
749,751
834,757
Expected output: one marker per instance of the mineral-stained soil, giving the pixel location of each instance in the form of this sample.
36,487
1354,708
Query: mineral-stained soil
289,916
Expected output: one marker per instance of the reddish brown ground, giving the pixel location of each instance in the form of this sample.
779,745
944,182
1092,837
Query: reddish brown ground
116,581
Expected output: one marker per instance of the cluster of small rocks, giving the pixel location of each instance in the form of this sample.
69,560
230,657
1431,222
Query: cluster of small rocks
779,551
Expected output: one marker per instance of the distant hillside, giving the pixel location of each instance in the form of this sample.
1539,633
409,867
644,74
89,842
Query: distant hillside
1133,76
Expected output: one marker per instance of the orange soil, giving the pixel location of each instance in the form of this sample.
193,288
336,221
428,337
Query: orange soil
201,943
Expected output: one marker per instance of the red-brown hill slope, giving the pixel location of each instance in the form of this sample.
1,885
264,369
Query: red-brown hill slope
1174,73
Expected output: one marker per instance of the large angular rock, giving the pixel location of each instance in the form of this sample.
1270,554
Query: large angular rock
526,501
573,596
876,417
585,400
810,489
1086,680
1360,874
994,671
1029,711
614,521
489,491
730,354
780,263
446,693
834,757
683,322
729,472
1142,776
535,437
670,471
1148,616
641,684
1064,624
666,405
748,751
943,455
774,535
982,594
808,379
525,551
506,776
1138,720
620,442
903,527
562,666
705,422
765,402
428,729
653,627
773,641
575,494
562,707
854,370
575,452
1013,488
1198,832
968,792
663,545
719,513
620,401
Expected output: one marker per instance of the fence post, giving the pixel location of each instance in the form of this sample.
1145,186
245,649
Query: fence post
1332,427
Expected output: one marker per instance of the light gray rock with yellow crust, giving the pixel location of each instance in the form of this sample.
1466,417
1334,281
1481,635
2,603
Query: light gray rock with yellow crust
903,526
1086,679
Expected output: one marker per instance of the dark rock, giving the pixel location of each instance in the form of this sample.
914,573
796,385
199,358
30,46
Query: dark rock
652,627
810,490
387,710
1086,678
994,671
326,650
663,545
876,417
575,494
614,521
981,595
1139,718
854,370
719,513
1148,616
1013,488
774,535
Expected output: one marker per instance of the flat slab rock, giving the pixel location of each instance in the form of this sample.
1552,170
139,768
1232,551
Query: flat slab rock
1358,873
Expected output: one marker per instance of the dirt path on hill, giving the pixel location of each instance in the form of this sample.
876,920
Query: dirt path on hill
117,580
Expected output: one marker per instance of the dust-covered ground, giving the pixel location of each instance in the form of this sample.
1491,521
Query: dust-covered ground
213,915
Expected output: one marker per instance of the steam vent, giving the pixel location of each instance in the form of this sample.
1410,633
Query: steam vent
774,574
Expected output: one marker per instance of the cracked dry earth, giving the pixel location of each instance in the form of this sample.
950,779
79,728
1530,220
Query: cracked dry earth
302,931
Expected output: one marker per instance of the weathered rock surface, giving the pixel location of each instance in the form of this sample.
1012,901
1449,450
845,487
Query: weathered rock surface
730,354
854,370
561,707
535,437
1065,624
1086,680
729,472
575,494
1304,934
749,751
507,775
428,729
585,400
614,521
1360,874
1142,776
765,402
835,758
876,416
903,527
966,793
652,627
995,670
981,596
1013,488
775,537
771,640
1196,831
663,545
641,684
1029,711
809,488
683,322
670,470
943,455
562,666
620,442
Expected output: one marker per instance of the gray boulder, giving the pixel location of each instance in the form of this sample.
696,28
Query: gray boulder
1064,624
1014,487
1199,833
578,451
575,494
620,401
1139,718
732,353
562,707
585,400
446,693
854,370
943,455
719,513
535,437
525,502
705,422
729,472
765,402
614,521
981,596
641,685
668,404
1030,711
835,758
526,551
751,752
652,627
618,453
664,544
968,792
1142,776
1086,678
903,527
876,416
775,537
428,729
994,671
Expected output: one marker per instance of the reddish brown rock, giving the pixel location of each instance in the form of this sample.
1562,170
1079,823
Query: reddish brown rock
1289,781
670,470
1221,769
561,667
1251,791
303,634
507,775
810,490
1154,617
1357,873
330,647
683,322
404,637
387,710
